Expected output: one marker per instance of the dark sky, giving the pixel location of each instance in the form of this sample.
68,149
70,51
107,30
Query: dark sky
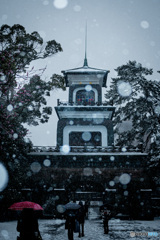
118,31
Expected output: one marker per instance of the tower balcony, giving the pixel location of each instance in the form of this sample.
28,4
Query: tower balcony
89,149
84,103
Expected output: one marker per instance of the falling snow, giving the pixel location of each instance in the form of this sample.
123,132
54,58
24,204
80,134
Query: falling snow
124,89
3,177
65,149
60,4
144,24
35,167
125,178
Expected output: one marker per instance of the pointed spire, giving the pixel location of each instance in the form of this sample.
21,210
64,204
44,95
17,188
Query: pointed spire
85,58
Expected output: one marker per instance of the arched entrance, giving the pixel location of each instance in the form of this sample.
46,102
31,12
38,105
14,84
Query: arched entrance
85,190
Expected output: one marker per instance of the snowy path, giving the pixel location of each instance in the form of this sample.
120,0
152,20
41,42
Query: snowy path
54,229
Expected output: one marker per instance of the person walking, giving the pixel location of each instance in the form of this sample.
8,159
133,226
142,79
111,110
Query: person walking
106,215
70,223
86,206
28,225
81,219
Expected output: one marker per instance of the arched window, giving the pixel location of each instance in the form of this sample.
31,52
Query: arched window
85,97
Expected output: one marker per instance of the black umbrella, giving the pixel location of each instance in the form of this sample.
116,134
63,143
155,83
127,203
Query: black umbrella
72,206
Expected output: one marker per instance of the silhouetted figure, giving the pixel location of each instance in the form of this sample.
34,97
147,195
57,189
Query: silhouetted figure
106,215
86,206
70,223
28,225
81,219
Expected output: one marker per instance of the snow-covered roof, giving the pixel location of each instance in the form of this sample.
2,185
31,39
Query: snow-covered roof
90,153
84,70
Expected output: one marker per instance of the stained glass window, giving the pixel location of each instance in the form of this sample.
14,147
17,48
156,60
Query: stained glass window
85,97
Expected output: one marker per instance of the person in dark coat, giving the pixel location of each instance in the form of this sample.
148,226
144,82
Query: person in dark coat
28,225
86,206
106,215
81,219
70,216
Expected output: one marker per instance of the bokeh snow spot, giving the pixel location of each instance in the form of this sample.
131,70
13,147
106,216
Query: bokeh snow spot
10,107
125,178
99,75
98,120
157,110
125,193
98,170
111,183
88,88
3,177
30,108
97,138
144,24
116,179
45,3
60,4
125,52
124,149
71,122
4,17
78,41
87,171
86,136
35,167
29,174
61,208
112,158
2,78
124,88
65,149
15,135
27,140
47,162
77,8
152,43
22,54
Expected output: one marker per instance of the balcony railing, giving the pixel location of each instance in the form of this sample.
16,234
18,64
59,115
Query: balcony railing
87,149
65,103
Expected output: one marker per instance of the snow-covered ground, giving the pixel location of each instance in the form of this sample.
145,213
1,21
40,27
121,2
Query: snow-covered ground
119,229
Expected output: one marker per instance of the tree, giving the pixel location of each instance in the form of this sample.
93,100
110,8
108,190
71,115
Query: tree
137,99
22,103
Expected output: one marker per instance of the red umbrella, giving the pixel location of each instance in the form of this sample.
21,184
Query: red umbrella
20,205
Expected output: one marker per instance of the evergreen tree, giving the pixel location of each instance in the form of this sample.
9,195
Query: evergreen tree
22,103
137,99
